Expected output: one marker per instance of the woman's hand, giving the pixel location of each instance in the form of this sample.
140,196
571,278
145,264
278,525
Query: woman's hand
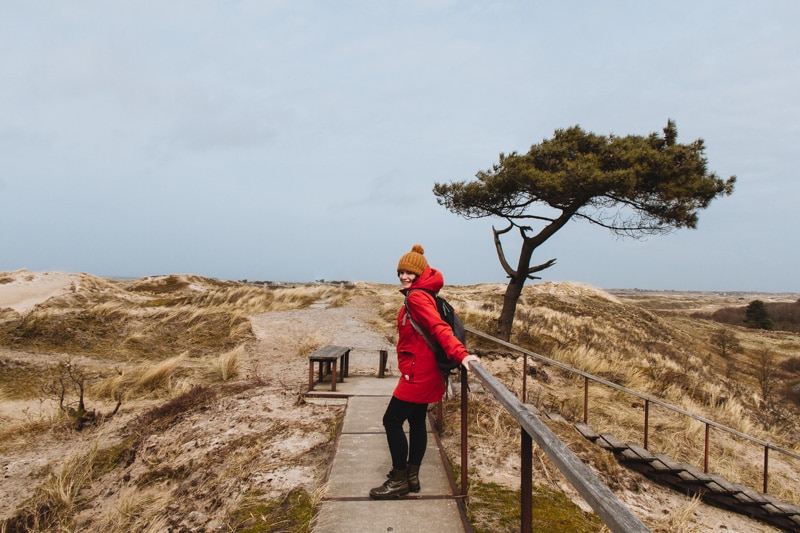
466,361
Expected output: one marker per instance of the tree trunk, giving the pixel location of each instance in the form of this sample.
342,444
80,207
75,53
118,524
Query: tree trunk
514,290
506,320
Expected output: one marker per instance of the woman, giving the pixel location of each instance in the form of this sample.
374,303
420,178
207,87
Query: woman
421,382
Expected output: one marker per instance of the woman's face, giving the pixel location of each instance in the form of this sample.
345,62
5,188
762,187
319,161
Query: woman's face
406,278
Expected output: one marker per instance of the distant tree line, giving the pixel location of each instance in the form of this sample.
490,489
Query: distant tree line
757,314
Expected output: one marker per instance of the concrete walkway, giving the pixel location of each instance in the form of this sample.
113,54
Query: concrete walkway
362,461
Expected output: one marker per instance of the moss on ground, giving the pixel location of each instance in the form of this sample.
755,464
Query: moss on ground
494,508
292,513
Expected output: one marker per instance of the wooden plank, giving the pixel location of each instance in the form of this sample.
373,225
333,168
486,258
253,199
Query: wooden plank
661,468
699,474
725,486
670,464
749,497
643,454
787,509
665,467
610,442
329,352
756,497
627,455
770,509
586,431
717,489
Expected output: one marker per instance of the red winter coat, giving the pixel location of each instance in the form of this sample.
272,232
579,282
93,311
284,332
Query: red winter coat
421,381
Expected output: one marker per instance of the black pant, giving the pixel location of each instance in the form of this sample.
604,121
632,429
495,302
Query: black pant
411,451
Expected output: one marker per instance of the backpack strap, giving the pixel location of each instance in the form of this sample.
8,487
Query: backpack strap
415,324
431,344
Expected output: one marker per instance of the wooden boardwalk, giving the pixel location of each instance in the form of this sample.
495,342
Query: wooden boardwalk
362,461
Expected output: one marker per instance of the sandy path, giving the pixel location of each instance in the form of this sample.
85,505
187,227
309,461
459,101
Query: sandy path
280,333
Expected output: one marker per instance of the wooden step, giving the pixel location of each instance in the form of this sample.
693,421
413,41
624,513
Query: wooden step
587,432
610,442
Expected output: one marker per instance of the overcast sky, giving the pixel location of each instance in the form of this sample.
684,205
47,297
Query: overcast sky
300,140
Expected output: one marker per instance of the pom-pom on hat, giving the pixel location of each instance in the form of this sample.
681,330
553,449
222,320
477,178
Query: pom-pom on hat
414,261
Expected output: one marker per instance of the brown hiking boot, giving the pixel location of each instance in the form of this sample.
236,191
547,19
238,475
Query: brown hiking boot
394,487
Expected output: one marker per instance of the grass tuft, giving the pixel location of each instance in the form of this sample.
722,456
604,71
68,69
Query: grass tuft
227,364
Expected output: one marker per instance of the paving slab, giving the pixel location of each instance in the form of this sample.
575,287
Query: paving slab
365,414
354,386
362,462
396,516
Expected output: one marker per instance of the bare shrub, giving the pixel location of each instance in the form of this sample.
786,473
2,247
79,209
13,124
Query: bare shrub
765,373
726,342
68,385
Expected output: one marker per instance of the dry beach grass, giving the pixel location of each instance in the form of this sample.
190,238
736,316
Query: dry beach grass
212,433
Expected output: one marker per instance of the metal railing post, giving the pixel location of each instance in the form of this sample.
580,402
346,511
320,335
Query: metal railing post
464,422
526,481
586,400
524,378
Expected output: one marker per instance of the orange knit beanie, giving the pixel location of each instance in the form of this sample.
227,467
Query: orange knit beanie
414,261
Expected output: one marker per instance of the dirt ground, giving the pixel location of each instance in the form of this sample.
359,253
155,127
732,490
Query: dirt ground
260,439
266,429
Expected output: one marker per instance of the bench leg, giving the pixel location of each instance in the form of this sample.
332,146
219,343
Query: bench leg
311,375
333,375
384,358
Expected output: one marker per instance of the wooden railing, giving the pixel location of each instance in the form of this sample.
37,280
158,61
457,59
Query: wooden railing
616,515
648,400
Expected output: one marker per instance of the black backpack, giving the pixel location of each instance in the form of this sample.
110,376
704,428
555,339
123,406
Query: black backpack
449,315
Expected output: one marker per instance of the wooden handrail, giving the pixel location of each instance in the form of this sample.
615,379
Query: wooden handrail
647,399
616,515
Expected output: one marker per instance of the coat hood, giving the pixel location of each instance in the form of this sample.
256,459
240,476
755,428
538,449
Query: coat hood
430,279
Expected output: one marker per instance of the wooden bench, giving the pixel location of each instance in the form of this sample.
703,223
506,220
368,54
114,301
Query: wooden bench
328,358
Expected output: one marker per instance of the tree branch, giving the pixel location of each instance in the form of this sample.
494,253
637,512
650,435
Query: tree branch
541,267
499,247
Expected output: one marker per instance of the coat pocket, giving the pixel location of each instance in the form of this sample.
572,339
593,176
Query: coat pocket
405,364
